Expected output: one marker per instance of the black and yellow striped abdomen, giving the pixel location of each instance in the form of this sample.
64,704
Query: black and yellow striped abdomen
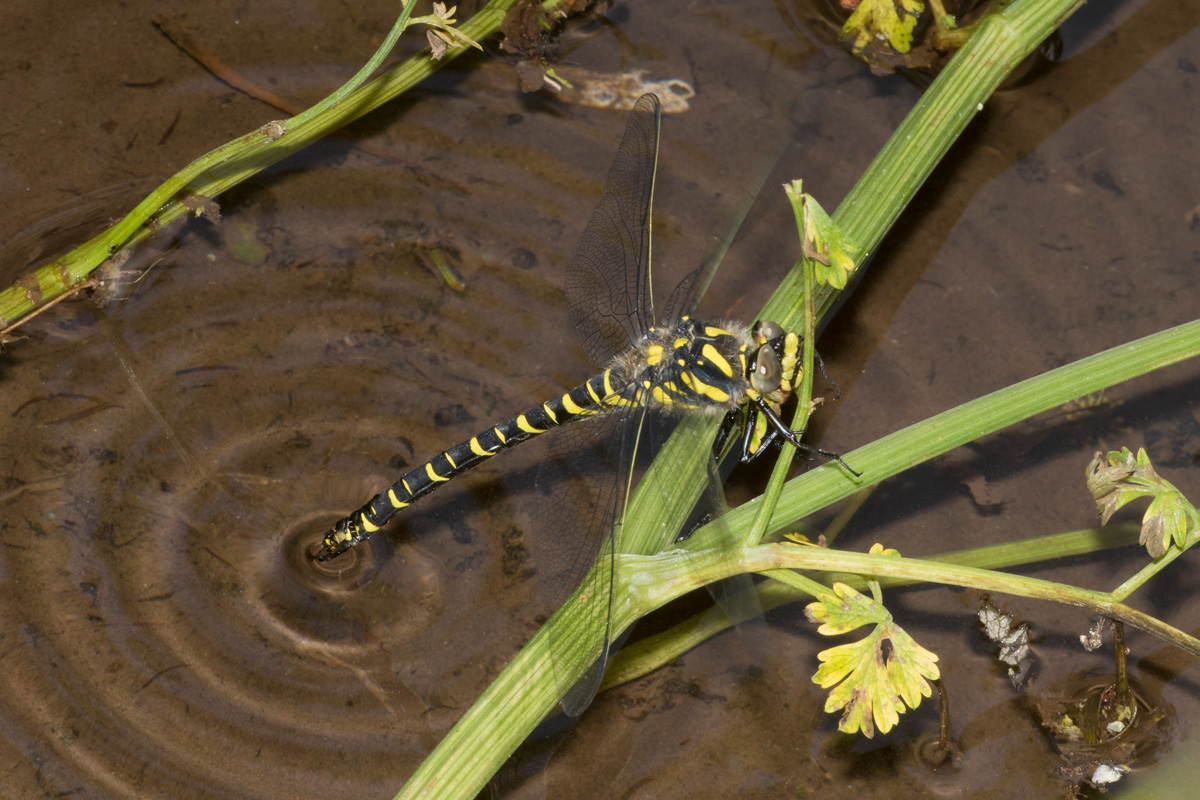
688,366
584,400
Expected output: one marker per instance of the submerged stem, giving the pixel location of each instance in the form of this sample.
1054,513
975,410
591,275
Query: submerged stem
943,719
1119,653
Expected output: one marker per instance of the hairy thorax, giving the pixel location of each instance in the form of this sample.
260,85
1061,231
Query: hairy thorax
688,365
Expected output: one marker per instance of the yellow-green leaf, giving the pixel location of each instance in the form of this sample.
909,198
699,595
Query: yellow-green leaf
844,611
876,21
832,252
873,680
1165,522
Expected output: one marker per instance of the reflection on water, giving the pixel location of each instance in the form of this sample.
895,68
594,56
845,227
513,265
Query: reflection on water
170,458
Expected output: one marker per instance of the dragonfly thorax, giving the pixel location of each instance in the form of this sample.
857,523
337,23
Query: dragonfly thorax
692,365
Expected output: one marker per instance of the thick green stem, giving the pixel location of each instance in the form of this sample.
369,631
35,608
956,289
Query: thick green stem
481,741
679,472
999,44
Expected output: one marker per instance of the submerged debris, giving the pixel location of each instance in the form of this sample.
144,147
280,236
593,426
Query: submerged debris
532,33
1099,737
1011,637
619,91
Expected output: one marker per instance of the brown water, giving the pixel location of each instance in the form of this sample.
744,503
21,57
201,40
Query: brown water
169,458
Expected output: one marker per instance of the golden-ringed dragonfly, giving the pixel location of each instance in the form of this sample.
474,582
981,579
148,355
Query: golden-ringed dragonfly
682,366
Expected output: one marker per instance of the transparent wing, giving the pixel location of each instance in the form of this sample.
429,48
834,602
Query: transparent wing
687,295
581,490
768,147
735,595
609,297
583,480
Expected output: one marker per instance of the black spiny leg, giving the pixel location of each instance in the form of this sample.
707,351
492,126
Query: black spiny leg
837,390
780,428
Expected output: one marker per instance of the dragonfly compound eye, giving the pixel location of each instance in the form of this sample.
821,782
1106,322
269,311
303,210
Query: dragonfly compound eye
766,331
765,372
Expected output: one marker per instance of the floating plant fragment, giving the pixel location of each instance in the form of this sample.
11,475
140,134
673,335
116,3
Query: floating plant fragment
877,23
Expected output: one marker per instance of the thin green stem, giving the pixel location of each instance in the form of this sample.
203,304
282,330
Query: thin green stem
1146,573
650,653
913,445
671,486
775,556
943,720
1119,660
783,461
372,64
238,160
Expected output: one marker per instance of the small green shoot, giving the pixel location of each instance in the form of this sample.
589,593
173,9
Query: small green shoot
942,18
833,253
1120,478
877,678
559,79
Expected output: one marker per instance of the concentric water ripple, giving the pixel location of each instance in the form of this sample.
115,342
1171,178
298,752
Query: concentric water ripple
167,631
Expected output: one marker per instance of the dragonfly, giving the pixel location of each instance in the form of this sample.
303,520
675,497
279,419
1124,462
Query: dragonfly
680,365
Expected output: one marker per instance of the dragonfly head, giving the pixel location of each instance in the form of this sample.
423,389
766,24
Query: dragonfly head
774,368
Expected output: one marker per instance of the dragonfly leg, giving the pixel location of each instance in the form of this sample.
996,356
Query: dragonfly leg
837,390
779,427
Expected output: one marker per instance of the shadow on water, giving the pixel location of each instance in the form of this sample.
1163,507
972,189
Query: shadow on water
171,457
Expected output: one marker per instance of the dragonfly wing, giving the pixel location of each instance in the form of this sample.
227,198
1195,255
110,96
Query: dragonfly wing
609,297
735,595
581,490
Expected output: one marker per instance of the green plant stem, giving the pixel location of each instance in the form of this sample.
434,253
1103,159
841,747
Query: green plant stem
924,440
476,746
234,162
780,559
653,581
1000,42
339,95
650,653
1146,573
467,758
803,392
1119,660
943,720
646,582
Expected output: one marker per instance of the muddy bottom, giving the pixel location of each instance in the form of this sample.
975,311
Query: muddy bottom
171,457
